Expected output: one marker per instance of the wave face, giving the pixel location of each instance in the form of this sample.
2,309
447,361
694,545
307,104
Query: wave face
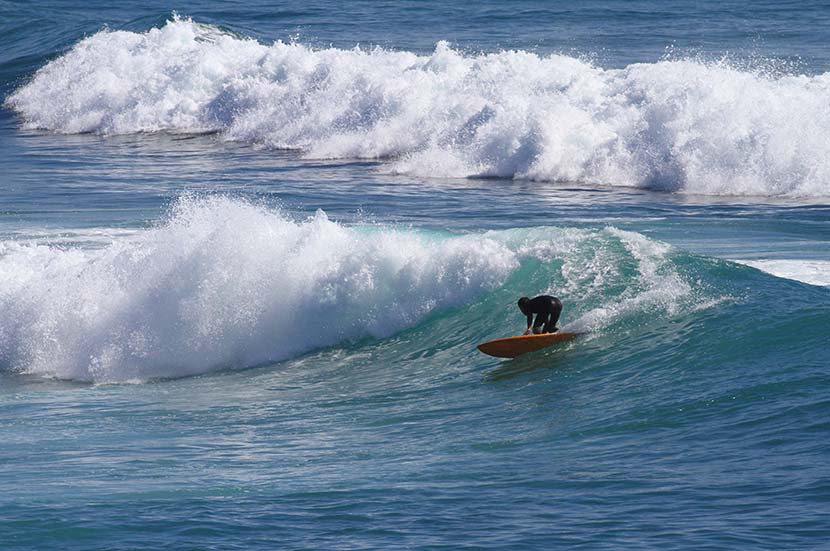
224,283
683,125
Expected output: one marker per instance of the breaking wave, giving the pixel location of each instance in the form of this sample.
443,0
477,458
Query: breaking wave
679,125
223,283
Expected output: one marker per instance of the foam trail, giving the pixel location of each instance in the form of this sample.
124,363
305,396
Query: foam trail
683,125
609,277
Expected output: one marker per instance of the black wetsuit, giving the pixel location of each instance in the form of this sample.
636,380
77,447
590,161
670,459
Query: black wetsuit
547,310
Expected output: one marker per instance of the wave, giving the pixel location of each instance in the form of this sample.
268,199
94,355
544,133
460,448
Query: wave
681,125
224,283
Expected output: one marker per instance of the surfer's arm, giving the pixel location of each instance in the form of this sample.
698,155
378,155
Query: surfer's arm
529,323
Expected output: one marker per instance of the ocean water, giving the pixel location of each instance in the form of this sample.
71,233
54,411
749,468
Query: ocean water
247,252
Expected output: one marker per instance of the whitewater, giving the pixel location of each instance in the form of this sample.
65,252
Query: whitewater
677,125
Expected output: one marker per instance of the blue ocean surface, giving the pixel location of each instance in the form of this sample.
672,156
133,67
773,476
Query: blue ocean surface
247,251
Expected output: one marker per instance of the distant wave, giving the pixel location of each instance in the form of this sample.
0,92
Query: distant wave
224,283
685,126
814,272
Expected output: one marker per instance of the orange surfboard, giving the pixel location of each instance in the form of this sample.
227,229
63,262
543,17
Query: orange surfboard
510,347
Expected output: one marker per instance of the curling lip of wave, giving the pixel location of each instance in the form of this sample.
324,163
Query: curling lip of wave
673,125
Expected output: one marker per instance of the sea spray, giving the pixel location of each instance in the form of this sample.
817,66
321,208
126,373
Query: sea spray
679,125
225,283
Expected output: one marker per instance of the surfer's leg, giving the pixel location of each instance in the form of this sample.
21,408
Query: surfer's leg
541,323
556,311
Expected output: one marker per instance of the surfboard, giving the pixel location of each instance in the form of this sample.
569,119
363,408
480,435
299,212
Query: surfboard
510,347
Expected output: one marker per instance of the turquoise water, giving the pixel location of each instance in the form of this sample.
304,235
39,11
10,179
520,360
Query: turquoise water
242,281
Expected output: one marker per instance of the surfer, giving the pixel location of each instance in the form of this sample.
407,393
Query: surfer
547,310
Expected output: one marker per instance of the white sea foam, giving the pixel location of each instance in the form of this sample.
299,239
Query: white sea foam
226,284
814,272
685,126
644,275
